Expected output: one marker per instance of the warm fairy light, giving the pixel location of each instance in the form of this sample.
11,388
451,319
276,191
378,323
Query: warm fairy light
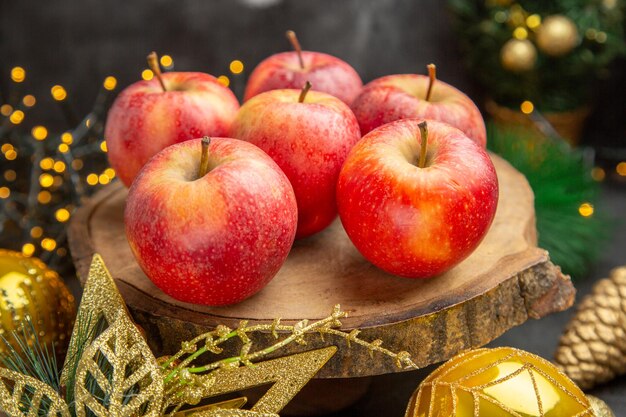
16,117
46,180
62,215
88,122
18,74
104,179
109,172
57,181
147,74
10,155
29,100
167,61
64,148
6,147
598,174
533,21
236,66
222,79
103,146
621,169
61,252
48,244
520,33
5,192
39,132
36,232
110,83
44,197
601,37
92,179
28,249
58,93
46,163
585,210
59,166
67,138
77,164
10,175
6,109
527,107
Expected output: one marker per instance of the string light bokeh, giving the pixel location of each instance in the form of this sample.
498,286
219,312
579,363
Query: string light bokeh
43,177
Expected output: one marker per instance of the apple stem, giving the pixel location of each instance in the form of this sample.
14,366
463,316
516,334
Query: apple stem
432,75
303,93
204,159
153,64
293,39
424,143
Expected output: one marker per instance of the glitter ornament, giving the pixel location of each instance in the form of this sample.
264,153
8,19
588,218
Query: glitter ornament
107,354
557,35
600,408
498,382
518,55
591,350
28,289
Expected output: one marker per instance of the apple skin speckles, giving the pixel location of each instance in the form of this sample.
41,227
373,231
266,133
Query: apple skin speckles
410,221
144,119
402,96
309,141
213,240
325,72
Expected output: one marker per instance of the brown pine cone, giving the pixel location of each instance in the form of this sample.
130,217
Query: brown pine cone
592,350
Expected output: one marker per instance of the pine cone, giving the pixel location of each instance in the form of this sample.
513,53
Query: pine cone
592,350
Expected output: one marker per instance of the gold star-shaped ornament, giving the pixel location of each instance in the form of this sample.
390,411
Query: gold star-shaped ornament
113,373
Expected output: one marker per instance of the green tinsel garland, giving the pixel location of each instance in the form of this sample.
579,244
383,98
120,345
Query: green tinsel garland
561,180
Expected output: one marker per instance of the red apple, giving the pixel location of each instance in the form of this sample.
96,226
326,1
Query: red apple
214,238
292,69
145,119
407,96
309,137
417,219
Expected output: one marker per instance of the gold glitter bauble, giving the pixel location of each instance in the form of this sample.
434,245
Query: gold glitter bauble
29,288
498,382
518,55
600,408
557,35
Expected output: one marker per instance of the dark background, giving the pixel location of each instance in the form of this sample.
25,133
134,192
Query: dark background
78,43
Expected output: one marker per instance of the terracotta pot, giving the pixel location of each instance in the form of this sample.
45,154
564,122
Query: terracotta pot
568,124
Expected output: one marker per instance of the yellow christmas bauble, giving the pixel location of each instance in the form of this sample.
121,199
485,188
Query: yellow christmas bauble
518,55
29,288
498,382
557,35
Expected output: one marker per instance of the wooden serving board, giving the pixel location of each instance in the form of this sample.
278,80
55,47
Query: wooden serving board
504,282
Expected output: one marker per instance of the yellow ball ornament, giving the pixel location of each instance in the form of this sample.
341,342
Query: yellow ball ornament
29,289
557,36
518,55
498,382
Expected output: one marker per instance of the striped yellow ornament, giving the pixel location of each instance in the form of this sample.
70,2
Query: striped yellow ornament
498,382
